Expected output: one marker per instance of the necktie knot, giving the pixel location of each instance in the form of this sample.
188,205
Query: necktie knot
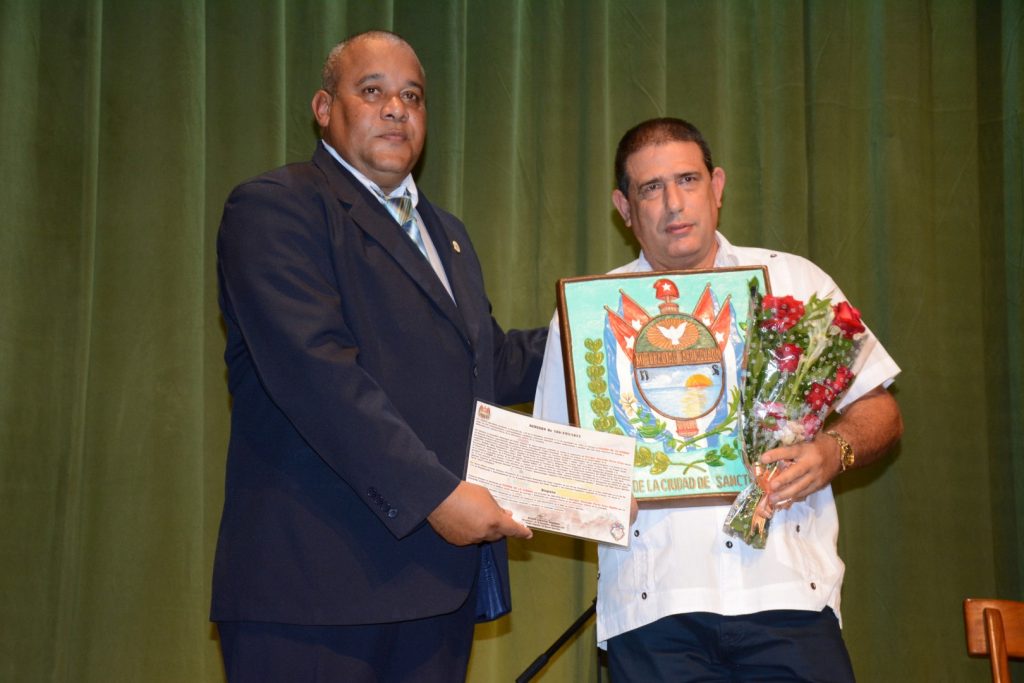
401,208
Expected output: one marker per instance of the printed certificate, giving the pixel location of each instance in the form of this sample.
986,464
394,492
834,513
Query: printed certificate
551,476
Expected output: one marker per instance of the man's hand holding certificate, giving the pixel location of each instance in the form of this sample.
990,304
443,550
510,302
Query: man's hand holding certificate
554,477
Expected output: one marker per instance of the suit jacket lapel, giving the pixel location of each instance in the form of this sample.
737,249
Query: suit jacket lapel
369,214
466,288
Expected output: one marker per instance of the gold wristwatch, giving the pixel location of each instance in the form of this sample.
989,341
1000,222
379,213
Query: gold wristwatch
846,455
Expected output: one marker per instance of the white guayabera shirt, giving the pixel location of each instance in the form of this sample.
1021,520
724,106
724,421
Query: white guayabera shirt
679,559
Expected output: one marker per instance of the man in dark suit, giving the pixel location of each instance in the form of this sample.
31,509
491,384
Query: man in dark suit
359,339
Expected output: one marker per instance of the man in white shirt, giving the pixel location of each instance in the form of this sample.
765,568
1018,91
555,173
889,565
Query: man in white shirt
686,602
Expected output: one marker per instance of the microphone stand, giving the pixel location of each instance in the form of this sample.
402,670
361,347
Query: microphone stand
542,660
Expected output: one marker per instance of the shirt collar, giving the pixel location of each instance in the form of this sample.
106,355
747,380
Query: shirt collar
725,256
407,185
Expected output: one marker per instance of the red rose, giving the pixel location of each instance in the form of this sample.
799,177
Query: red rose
775,410
847,319
785,311
819,396
769,415
842,378
811,423
787,357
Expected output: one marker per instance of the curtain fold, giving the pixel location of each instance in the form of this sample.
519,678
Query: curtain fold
883,140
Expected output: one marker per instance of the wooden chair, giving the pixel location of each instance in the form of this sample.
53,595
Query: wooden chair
995,628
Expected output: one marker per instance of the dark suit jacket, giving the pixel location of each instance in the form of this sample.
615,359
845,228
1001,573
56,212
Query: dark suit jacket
353,377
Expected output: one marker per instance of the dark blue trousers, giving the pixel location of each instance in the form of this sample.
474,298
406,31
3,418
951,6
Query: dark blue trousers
432,650
766,647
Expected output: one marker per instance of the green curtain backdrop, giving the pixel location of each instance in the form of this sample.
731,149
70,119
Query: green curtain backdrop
882,139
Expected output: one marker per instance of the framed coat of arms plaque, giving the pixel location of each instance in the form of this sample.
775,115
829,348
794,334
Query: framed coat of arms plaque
658,356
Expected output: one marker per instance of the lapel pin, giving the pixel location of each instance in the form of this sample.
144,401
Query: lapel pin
456,247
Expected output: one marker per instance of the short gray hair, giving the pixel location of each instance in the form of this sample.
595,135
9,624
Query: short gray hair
329,76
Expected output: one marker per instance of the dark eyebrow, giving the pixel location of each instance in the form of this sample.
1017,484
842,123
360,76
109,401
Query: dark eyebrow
671,176
656,179
369,77
379,76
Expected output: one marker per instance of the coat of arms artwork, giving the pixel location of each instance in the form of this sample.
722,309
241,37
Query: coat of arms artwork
658,356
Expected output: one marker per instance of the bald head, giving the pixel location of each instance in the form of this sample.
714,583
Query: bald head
331,74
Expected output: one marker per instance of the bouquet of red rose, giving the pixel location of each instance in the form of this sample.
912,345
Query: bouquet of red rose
797,365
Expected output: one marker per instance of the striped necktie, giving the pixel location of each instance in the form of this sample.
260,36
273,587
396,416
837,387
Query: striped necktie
401,209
